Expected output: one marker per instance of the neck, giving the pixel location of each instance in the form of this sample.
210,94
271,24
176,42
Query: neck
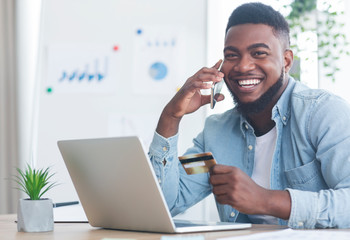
262,122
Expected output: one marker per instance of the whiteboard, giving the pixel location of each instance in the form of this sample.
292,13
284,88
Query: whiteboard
108,67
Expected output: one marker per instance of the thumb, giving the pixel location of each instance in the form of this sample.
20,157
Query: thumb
220,97
206,98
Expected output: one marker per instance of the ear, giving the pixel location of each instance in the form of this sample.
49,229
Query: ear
288,60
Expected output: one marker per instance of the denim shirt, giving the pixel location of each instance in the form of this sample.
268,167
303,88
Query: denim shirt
311,158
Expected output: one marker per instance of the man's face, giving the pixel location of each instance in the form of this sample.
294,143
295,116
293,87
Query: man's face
255,64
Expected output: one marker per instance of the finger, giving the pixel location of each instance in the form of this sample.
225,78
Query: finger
219,179
211,75
220,189
222,199
221,169
194,84
213,70
218,78
217,65
202,85
208,77
206,98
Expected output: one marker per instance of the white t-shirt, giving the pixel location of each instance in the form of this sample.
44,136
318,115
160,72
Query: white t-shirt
264,149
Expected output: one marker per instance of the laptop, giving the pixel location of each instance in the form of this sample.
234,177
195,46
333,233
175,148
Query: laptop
118,188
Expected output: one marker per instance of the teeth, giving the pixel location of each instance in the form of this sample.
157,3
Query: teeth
248,82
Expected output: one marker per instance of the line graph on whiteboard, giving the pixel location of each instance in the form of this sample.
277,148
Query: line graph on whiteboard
81,69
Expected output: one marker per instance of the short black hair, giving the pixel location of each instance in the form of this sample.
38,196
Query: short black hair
258,13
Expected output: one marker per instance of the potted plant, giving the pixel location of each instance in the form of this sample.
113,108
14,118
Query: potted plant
34,214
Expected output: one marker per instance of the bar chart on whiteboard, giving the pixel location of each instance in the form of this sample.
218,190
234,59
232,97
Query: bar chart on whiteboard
76,68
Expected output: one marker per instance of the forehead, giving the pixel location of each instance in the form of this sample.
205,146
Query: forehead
245,35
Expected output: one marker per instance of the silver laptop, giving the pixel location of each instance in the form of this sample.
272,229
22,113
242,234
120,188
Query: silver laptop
118,188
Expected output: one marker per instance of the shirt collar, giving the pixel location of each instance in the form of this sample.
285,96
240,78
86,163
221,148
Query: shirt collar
282,107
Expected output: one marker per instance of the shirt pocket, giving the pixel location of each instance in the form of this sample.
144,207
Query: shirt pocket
307,177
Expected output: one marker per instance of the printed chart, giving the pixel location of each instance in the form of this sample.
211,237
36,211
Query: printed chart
82,69
157,54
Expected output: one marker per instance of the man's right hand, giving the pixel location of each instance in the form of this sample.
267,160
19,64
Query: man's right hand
188,99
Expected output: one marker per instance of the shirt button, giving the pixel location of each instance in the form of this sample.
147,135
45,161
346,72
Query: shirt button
284,118
300,224
159,180
250,147
246,126
232,214
165,148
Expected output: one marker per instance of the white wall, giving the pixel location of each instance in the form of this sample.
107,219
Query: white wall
67,115
27,30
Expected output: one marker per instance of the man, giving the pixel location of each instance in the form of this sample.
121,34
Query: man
283,152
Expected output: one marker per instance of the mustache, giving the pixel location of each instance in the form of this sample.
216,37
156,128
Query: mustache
260,104
232,75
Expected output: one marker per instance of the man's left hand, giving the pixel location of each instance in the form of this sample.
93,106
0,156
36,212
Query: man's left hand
234,187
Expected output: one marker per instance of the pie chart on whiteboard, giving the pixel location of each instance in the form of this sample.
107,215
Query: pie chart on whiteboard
158,71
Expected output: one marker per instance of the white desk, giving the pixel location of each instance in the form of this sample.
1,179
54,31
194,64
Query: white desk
83,231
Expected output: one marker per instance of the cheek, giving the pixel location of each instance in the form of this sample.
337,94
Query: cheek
226,66
272,69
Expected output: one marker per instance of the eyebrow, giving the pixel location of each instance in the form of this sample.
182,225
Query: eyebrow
230,48
255,45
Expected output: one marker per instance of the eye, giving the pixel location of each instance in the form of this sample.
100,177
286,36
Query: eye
230,56
259,54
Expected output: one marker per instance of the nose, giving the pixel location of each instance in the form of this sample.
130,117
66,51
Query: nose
244,64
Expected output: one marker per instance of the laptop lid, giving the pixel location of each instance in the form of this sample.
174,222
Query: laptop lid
118,188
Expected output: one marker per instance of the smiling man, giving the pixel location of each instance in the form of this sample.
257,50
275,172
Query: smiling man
282,152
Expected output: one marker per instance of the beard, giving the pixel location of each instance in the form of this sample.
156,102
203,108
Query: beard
262,102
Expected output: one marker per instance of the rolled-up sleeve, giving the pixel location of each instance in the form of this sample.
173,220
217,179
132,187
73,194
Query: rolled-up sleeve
180,190
323,209
163,154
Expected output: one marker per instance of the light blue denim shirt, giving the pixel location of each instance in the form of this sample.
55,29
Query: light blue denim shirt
311,158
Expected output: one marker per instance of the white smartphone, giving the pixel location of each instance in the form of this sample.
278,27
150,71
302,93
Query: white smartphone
215,90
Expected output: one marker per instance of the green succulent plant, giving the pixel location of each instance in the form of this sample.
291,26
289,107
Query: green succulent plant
34,182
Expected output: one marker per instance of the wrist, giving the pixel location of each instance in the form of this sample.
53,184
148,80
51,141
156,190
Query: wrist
278,204
168,125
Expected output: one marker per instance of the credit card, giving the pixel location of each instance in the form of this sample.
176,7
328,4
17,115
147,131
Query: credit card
197,163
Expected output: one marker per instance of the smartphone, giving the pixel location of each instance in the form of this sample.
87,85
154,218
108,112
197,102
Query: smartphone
215,90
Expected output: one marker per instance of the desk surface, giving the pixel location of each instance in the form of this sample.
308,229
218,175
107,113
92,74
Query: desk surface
77,231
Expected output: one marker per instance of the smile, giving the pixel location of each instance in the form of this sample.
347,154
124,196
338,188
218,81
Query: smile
246,83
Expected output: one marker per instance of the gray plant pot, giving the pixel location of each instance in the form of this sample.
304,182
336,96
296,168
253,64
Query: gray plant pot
35,215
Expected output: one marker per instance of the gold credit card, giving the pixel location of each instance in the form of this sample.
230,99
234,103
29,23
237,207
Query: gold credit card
197,163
